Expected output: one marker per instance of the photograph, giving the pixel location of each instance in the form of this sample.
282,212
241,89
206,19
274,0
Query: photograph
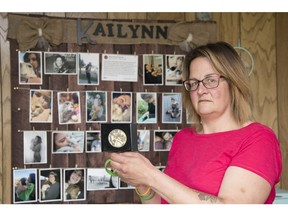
146,107
35,147
88,64
121,107
30,68
153,69
99,179
171,108
41,106
124,185
69,107
74,184
67,142
60,63
93,141
25,185
50,185
96,106
163,139
143,140
174,68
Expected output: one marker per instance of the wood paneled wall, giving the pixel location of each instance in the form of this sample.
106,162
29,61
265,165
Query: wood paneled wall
260,33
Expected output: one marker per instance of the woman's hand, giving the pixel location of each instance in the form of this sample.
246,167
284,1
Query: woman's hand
132,167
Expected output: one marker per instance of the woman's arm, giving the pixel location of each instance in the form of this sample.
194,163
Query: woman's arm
238,185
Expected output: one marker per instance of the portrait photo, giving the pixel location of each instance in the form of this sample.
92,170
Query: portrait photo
74,184
69,107
163,139
67,142
174,68
143,140
41,106
171,108
30,68
96,106
99,179
60,63
121,107
50,185
93,141
25,185
35,147
88,64
153,69
146,107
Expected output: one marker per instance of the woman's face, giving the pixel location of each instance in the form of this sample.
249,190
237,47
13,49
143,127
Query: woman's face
33,60
75,177
52,178
59,62
209,103
61,140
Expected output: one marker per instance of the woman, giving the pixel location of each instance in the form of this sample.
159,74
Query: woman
63,143
59,65
74,184
51,189
226,157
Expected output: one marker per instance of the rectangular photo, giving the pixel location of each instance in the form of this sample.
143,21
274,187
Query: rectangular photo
60,63
50,185
124,185
93,141
35,147
69,107
30,68
88,68
174,68
143,140
163,139
99,179
67,142
121,107
96,106
171,108
74,184
41,106
25,185
153,69
146,107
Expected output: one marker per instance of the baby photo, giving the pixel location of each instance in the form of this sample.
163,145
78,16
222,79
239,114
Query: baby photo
30,68
41,106
25,185
121,107
69,107
35,147
67,142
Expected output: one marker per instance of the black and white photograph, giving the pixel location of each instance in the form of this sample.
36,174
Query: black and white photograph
143,140
171,108
24,185
41,106
60,63
67,142
30,68
35,147
153,69
99,179
88,69
93,141
50,184
163,139
74,184
69,107
174,68
121,107
146,107
96,106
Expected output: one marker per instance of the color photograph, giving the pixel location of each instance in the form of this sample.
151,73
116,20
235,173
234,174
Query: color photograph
88,68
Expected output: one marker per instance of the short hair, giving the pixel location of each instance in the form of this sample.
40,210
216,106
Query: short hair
224,58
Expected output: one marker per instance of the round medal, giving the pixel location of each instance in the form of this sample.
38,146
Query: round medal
117,138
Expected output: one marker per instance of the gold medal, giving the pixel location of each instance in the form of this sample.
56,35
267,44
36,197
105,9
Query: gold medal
117,138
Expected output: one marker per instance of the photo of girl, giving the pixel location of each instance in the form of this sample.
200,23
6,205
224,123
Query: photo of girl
60,63
88,68
174,68
93,141
67,142
146,108
163,139
153,69
74,185
121,107
96,106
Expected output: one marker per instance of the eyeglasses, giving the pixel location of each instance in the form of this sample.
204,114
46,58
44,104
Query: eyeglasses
209,82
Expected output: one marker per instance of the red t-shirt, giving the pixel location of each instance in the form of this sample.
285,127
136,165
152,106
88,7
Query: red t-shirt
199,161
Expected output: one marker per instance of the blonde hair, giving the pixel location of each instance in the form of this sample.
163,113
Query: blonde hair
228,63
